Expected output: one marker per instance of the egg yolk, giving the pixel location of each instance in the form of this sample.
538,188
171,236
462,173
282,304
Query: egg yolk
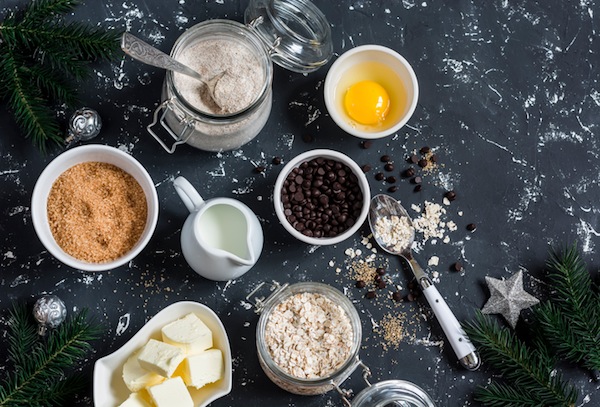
367,102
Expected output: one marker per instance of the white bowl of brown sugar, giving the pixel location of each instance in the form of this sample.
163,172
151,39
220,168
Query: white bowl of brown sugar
94,207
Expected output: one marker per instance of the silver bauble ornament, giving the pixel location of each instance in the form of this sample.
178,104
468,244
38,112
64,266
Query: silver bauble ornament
84,124
49,311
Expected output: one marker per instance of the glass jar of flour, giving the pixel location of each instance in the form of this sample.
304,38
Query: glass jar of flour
292,33
308,338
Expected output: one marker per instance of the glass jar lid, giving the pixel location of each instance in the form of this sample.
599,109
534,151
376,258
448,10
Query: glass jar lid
393,393
296,32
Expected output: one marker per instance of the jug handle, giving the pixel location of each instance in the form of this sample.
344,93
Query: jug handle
188,194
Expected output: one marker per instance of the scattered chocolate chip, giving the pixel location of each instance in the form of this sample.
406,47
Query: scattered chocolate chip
377,278
393,188
385,158
451,195
371,294
259,169
381,284
418,188
397,296
366,168
433,158
411,297
276,160
471,227
425,149
380,176
360,284
308,138
413,159
422,163
366,144
417,180
380,271
389,167
391,179
409,172
457,266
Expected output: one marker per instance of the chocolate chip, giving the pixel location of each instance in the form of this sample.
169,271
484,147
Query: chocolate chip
397,296
360,284
389,167
366,168
451,195
417,180
457,266
411,297
380,271
276,160
385,158
409,172
380,176
393,188
381,284
321,198
259,169
422,163
425,149
308,138
371,294
413,159
377,278
418,188
366,144
471,227
433,158
391,179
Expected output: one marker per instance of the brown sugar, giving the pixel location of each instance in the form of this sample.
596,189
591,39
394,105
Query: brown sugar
96,211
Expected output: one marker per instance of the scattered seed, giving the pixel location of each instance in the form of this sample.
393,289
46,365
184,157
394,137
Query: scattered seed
425,149
418,188
422,163
451,195
371,294
366,144
380,176
259,169
360,284
366,168
397,296
389,167
380,271
276,160
457,266
391,179
393,188
409,172
471,227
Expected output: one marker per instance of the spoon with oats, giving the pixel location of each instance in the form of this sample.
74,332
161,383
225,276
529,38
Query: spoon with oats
394,231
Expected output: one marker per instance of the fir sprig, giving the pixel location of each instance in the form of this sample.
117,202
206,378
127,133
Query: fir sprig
41,56
40,376
571,319
528,371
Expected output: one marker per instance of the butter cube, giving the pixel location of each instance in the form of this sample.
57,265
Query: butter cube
135,400
171,393
160,358
189,333
136,377
203,368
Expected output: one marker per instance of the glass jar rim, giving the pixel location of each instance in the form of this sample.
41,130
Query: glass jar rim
240,30
332,294
387,392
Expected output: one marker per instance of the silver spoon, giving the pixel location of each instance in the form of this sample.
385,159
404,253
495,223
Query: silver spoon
146,53
393,230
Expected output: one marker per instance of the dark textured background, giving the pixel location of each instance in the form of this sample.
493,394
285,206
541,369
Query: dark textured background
509,100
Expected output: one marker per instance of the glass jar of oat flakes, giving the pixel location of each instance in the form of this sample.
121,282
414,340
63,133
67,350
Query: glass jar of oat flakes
292,33
308,338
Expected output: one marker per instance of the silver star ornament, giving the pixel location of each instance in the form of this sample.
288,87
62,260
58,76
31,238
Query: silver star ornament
508,298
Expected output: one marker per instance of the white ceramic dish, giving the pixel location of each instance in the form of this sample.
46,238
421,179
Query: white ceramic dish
401,75
66,160
109,388
307,156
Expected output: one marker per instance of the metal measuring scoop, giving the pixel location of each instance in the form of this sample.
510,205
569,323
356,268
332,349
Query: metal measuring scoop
386,211
146,53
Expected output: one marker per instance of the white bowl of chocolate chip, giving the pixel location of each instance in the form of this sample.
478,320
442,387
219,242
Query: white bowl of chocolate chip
321,197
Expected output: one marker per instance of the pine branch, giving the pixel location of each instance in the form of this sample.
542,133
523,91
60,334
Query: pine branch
39,377
39,56
501,395
529,369
571,319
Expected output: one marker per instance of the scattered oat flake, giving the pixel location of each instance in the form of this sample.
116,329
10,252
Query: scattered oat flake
433,261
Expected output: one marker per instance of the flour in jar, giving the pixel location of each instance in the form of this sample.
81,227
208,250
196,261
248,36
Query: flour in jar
241,83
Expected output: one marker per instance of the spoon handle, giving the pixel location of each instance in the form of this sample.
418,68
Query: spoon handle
460,342
146,53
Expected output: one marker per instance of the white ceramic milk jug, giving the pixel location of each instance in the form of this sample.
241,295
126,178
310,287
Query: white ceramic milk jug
222,238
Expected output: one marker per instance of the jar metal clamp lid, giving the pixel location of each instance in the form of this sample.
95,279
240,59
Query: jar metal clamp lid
381,394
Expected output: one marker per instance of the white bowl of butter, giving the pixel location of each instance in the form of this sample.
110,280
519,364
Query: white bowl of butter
117,382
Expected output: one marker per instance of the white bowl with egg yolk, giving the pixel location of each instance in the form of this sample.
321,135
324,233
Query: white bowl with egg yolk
371,91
